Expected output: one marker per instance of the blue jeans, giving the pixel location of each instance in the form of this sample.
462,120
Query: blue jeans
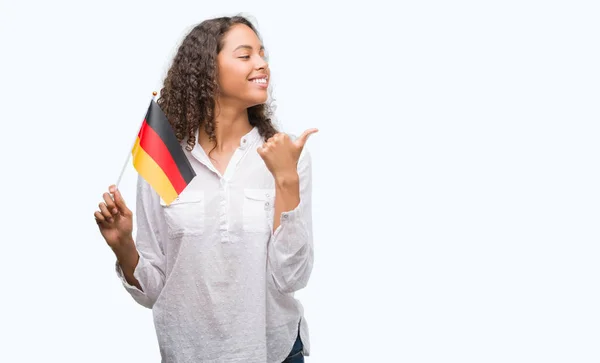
296,355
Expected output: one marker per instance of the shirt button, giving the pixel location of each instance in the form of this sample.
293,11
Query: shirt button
285,216
267,195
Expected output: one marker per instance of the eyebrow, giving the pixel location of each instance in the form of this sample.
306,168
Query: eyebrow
244,46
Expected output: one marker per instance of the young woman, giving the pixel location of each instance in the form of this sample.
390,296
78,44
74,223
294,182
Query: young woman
219,266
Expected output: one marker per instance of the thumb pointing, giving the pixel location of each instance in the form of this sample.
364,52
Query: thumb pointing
302,139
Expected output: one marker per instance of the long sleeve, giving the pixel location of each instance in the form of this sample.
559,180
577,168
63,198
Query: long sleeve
150,270
290,250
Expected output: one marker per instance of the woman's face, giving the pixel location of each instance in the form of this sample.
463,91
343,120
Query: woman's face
243,73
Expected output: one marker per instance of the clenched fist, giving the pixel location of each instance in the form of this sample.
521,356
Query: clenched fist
114,219
281,154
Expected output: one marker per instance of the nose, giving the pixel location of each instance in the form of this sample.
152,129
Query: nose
261,63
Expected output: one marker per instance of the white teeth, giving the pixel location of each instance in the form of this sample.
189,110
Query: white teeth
260,80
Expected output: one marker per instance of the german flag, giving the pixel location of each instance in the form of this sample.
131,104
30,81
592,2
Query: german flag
158,156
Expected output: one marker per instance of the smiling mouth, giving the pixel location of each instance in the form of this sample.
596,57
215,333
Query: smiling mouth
259,80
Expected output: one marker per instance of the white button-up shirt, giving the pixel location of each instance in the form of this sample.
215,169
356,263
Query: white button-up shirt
219,281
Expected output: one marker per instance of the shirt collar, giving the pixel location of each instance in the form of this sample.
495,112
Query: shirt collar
249,138
245,141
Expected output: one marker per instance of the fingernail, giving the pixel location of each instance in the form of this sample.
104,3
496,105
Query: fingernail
115,211
109,219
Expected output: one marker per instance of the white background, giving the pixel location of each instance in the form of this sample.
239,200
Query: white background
456,180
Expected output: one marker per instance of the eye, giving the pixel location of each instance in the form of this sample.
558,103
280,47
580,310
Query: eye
244,57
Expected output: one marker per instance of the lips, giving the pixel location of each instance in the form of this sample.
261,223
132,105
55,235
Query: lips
262,81
258,77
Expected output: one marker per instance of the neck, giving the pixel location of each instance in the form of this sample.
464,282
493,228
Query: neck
231,123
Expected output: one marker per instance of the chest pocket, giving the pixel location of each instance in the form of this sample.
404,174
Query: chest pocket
259,206
186,214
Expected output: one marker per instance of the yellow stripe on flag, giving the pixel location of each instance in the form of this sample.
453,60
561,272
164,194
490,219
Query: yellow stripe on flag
152,173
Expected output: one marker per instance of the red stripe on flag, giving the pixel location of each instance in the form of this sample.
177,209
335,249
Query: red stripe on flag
157,150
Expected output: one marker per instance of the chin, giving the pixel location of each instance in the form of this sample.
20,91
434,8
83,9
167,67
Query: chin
257,101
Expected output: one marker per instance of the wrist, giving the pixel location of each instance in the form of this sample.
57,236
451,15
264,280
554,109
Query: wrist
287,179
126,252
124,242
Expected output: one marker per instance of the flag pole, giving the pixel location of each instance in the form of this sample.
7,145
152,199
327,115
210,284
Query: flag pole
129,153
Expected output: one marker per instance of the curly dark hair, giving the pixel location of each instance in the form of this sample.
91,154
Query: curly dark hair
190,87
